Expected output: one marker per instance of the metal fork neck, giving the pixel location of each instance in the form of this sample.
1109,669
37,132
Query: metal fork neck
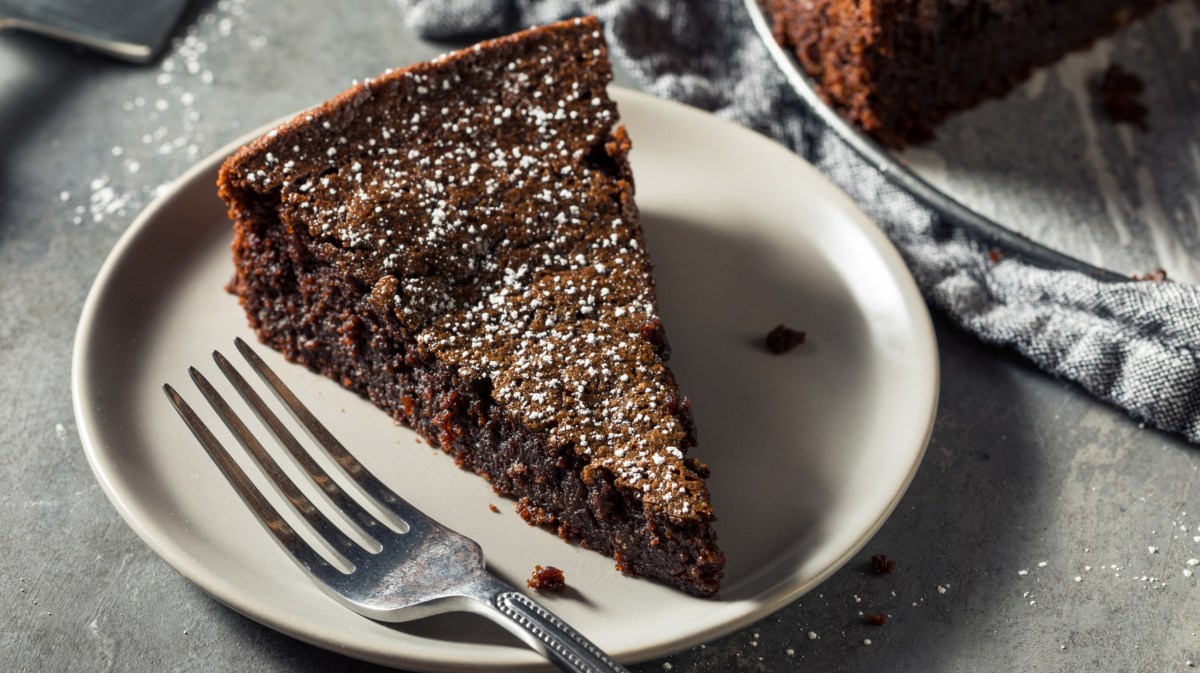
541,629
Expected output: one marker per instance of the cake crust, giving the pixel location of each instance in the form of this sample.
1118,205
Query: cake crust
458,241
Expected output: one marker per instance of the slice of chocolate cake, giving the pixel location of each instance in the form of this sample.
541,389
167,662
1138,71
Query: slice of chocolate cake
458,242
898,68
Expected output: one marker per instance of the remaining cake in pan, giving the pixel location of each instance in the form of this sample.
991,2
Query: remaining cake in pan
897,68
458,242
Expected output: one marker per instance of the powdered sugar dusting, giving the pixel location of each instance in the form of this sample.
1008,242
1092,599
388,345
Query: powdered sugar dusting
164,123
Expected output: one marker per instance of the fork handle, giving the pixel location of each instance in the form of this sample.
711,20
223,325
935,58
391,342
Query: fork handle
537,626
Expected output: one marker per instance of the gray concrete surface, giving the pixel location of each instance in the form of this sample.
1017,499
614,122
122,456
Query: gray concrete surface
1044,531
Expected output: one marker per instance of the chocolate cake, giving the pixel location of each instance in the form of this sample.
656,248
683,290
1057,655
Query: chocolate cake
547,578
897,68
458,242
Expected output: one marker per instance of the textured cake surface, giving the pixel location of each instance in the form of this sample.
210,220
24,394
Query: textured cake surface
458,241
897,68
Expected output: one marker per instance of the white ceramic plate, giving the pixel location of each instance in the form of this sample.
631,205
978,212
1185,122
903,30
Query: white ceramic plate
810,451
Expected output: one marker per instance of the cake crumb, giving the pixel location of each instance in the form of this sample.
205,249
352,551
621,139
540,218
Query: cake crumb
812,635
495,509
866,641
883,565
1157,276
783,339
995,255
548,578
1119,92
877,618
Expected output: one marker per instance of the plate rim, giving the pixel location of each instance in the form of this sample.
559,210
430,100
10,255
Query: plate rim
228,594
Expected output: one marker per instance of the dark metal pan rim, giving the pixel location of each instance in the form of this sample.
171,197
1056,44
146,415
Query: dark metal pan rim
981,228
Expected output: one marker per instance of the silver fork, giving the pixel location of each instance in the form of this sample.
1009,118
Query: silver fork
427,569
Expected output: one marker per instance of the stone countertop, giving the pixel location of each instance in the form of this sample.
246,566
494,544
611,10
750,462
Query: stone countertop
1044,531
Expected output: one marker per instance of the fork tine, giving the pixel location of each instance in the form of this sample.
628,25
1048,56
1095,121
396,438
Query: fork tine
321,435
299,502
337,497
264,512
